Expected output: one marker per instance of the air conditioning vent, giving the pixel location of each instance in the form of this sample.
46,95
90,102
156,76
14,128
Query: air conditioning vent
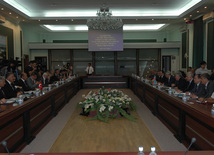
2,19
208,16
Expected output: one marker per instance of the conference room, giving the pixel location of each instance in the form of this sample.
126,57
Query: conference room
107,76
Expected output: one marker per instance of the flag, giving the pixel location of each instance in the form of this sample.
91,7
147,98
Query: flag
40,85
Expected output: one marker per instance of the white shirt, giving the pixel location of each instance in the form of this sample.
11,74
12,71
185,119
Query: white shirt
201,71
212,95
89,70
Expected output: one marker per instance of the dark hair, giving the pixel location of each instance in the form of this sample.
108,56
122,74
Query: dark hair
206,76
22,74
199,75
203,63
8,74
34,73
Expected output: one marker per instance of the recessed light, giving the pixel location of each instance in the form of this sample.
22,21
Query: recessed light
197,11
205,7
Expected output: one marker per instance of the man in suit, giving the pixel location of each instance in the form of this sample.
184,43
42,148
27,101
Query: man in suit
161,76
9,88
170,80
198,89
22,82
45,79
2,94
56,76
209,86
29,68
31,81
180,83
190,81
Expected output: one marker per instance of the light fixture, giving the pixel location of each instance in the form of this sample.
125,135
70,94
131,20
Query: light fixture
104,20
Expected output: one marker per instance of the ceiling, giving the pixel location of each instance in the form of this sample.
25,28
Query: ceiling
73,13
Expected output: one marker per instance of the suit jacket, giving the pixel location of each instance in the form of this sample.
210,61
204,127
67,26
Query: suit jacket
190,86
23,84
181,84
2,94
162,79
30,83
9,91
169,82
54,78
45,82
208,90
198,90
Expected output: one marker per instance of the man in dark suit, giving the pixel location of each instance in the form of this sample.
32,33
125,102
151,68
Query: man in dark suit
190,82
161,76
56,76
180,84
198,89
31,81
45,79
2,94
22,82
209,86
9,88
169,79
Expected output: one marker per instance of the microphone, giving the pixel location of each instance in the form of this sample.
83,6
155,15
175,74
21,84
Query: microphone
192,141
4,143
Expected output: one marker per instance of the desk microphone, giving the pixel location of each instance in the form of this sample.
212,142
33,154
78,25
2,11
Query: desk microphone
4,143
192,141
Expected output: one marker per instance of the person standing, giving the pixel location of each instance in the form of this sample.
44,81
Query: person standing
202,69
89,69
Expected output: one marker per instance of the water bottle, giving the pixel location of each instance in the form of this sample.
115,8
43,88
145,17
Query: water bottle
140,151
152,151
212,110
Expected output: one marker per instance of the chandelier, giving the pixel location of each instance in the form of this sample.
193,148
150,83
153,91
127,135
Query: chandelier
104,20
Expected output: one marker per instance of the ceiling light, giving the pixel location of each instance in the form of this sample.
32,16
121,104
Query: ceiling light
104,20
126,27
90,13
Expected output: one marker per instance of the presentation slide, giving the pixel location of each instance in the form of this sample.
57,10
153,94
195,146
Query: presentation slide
109,40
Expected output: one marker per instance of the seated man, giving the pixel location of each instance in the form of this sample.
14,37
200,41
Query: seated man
9,88
198,89
31,81
190,80
209,86
162,77
2,94
56,76
169,79
22,82
180,83
45,79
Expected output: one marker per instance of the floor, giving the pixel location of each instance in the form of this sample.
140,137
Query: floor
48,135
